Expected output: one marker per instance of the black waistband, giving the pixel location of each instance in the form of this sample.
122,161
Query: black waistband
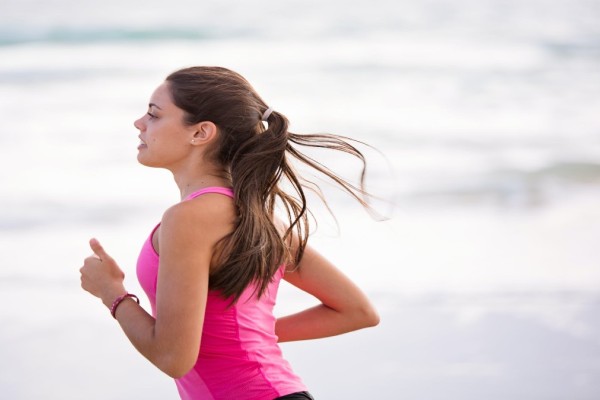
296,396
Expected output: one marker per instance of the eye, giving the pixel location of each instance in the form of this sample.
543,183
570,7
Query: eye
152,116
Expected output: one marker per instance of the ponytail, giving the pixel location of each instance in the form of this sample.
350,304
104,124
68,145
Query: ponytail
253,252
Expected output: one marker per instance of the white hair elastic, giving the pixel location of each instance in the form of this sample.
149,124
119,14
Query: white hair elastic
266,114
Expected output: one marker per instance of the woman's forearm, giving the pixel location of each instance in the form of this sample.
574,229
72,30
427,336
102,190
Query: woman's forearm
139,327
322,321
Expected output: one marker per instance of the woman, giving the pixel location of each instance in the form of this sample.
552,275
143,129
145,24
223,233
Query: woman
212,267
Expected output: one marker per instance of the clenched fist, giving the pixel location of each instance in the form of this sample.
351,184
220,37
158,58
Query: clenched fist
101,276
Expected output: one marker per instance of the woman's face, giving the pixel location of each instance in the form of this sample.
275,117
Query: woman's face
164,139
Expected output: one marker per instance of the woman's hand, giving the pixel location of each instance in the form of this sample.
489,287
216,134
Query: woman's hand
101,276
344,307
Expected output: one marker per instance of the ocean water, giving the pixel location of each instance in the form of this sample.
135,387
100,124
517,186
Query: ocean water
485,115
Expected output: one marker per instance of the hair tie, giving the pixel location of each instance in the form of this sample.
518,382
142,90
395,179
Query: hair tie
266,114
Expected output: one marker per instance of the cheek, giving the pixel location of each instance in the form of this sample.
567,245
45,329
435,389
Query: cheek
153,133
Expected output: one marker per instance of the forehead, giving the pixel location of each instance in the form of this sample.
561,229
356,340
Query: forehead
162,95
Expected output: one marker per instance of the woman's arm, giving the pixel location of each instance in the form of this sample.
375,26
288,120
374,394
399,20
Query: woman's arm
186,238
344,307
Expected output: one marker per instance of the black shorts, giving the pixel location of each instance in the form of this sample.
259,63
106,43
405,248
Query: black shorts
297,396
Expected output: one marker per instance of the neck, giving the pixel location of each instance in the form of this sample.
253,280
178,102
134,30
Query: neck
188,183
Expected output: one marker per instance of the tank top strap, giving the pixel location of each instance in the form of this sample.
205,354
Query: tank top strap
212,189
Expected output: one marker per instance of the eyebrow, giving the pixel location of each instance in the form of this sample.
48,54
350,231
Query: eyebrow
154,105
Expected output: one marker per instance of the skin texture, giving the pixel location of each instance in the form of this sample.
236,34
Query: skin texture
185,241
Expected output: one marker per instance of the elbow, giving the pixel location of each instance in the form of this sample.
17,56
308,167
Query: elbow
366,316
371,318
177,372
176,367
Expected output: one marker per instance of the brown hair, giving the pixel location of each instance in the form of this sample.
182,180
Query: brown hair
257,160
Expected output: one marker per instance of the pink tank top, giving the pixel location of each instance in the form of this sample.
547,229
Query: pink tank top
239,356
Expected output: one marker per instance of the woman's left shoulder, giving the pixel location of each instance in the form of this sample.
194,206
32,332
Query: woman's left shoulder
207,213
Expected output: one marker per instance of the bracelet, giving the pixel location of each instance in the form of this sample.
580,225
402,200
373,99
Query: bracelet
119,300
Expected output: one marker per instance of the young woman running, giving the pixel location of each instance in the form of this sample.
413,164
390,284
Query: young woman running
212,266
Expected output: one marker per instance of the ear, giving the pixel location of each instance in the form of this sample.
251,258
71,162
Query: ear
205,132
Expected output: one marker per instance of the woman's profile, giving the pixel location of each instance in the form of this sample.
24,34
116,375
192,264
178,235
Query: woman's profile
212,266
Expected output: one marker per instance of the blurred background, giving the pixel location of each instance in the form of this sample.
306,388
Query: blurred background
486,272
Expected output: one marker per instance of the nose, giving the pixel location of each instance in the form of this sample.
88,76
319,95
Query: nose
138,123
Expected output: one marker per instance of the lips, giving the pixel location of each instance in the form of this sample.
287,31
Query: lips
142,143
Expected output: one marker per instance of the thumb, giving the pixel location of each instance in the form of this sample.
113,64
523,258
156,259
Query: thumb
98,249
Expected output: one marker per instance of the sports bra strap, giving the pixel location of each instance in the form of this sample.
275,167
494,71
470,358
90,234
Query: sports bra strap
212,189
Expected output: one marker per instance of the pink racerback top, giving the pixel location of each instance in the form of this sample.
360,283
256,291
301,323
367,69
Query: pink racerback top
239,356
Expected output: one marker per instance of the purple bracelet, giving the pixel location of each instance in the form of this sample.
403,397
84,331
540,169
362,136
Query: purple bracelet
119,300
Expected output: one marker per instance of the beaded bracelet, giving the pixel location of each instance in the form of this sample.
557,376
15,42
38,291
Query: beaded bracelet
118,300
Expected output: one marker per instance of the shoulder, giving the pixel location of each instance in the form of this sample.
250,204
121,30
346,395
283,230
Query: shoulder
207,213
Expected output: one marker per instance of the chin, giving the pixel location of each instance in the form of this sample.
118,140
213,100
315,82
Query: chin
145,162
